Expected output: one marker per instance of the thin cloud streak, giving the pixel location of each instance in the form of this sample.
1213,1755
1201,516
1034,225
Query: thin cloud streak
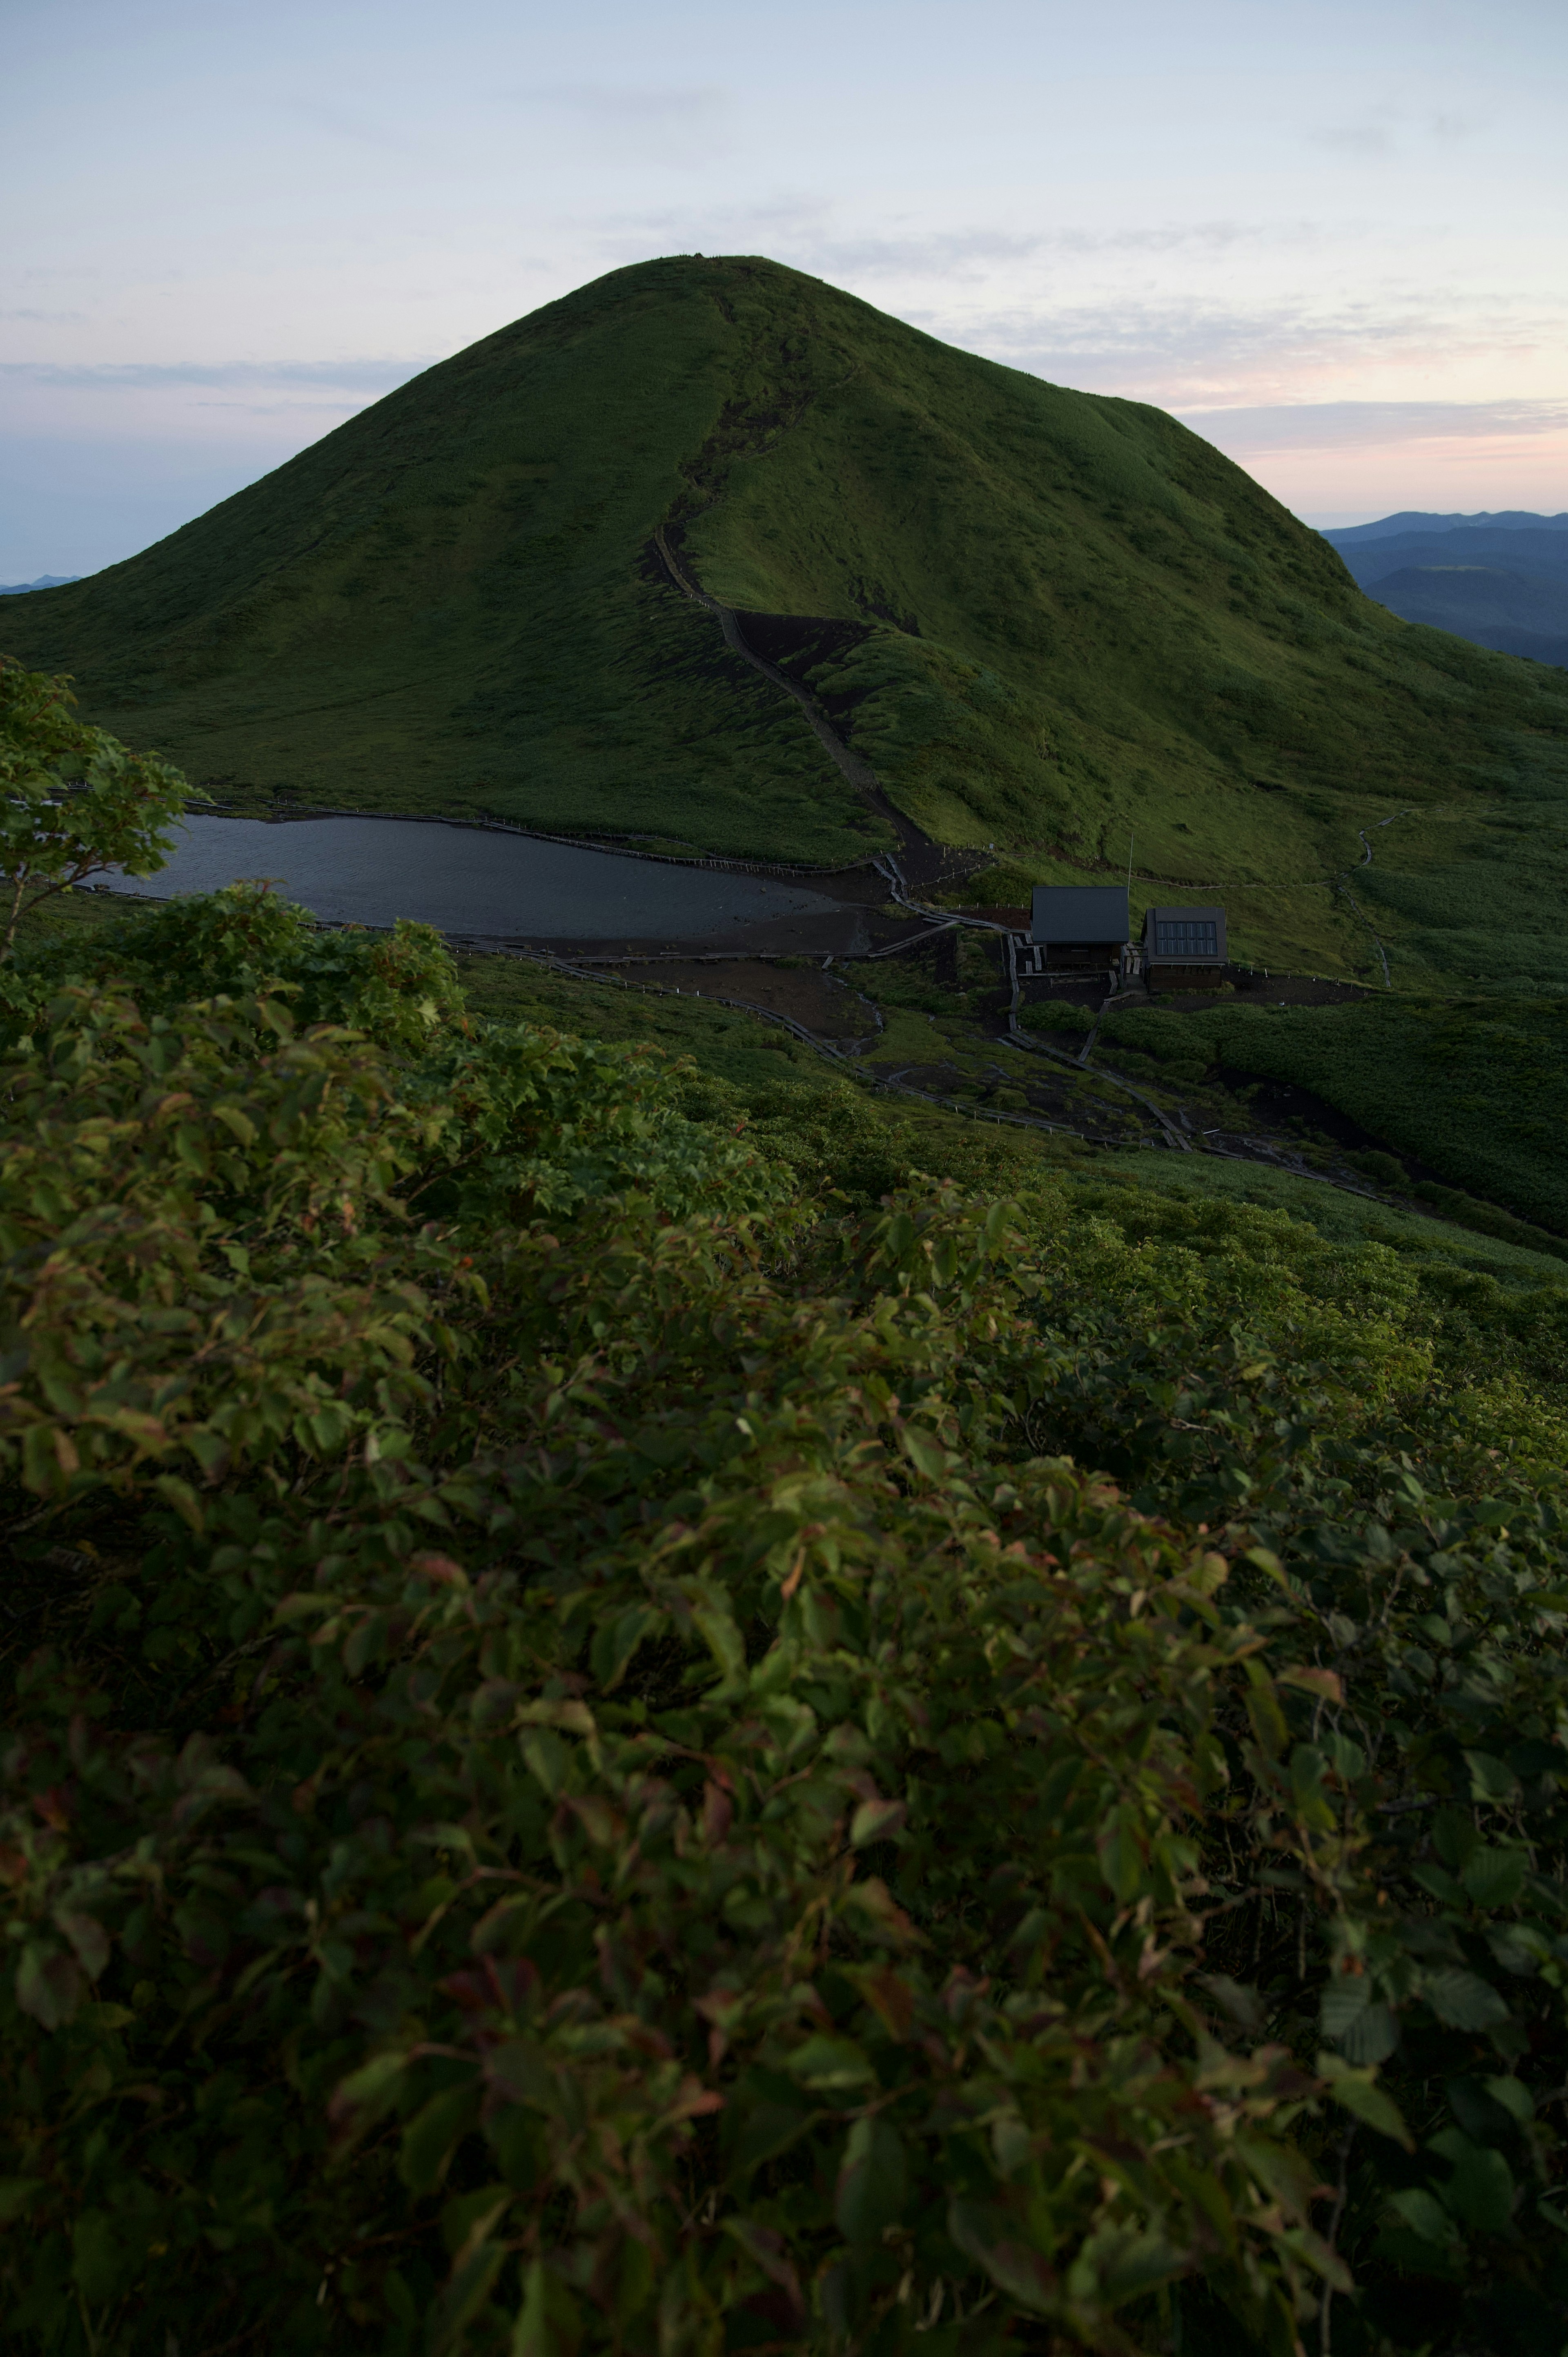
1378,132
1354,139
797,231
1213,355
1361,424
621,104
967,252
373,376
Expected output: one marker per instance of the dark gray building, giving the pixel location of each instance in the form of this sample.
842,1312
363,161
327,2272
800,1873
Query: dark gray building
1184,949
1082,925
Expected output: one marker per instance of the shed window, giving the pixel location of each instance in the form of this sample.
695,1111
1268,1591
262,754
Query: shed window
1184,940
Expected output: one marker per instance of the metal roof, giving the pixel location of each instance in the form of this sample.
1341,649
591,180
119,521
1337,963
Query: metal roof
1185,936
1079,912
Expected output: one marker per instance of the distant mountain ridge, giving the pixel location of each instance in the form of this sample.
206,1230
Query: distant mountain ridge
1353,535
1500,581
43,581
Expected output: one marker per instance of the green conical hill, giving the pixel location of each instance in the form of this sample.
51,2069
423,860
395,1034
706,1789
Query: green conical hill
1044,617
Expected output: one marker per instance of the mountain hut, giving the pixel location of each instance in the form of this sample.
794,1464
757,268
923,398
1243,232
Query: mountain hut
1079,928
1184,949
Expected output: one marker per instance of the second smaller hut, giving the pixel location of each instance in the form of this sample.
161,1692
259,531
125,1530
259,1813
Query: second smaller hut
1184,949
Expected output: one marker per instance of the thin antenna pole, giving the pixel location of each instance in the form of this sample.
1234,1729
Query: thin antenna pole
1130,840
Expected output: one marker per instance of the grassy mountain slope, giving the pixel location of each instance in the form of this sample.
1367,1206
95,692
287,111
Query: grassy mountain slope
1049,618
446,604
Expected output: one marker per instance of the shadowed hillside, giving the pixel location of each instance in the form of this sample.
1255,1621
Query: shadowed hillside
1046,618
1502,581
1519,613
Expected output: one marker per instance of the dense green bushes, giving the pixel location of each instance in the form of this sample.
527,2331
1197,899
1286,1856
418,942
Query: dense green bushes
1474,1089
586,1770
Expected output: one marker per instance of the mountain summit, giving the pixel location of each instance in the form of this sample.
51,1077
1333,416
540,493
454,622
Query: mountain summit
1042,617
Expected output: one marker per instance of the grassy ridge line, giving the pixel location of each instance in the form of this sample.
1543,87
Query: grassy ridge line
1046,618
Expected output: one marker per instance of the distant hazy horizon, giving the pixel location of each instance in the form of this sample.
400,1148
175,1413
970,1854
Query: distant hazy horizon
1328,239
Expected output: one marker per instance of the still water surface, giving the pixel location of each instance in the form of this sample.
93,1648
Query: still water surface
371,871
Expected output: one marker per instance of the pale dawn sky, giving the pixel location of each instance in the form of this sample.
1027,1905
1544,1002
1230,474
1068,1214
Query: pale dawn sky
1331,237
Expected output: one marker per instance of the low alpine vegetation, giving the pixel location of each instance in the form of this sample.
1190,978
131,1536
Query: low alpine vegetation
609,1749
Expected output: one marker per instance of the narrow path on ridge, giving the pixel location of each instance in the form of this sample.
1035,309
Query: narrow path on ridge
920,860
1366,861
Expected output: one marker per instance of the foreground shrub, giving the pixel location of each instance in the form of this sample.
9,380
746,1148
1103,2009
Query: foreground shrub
585,1770
74,802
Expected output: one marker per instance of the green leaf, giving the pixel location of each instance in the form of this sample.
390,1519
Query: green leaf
1367,2032
767,2248
1493,1877
1491,1780
829,2062
1410,2253
470,2218
1463,2000
101,2262
1263,1710
466,2293
1480,2191
366,2093
180,1494
16,2196
232,1118
987,2236
108,2017
1440,1883
881,1916
1423,2214
549,1760
548,2324
769,2130
1357,2092
925,1452
1454,1834
87,1936
519,2070
1240,2001
1514,2097
876,1820
723,1639
872,2181
1344,1999
1122,1848
1125,2263
1325,1683
616,1642
433,2136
